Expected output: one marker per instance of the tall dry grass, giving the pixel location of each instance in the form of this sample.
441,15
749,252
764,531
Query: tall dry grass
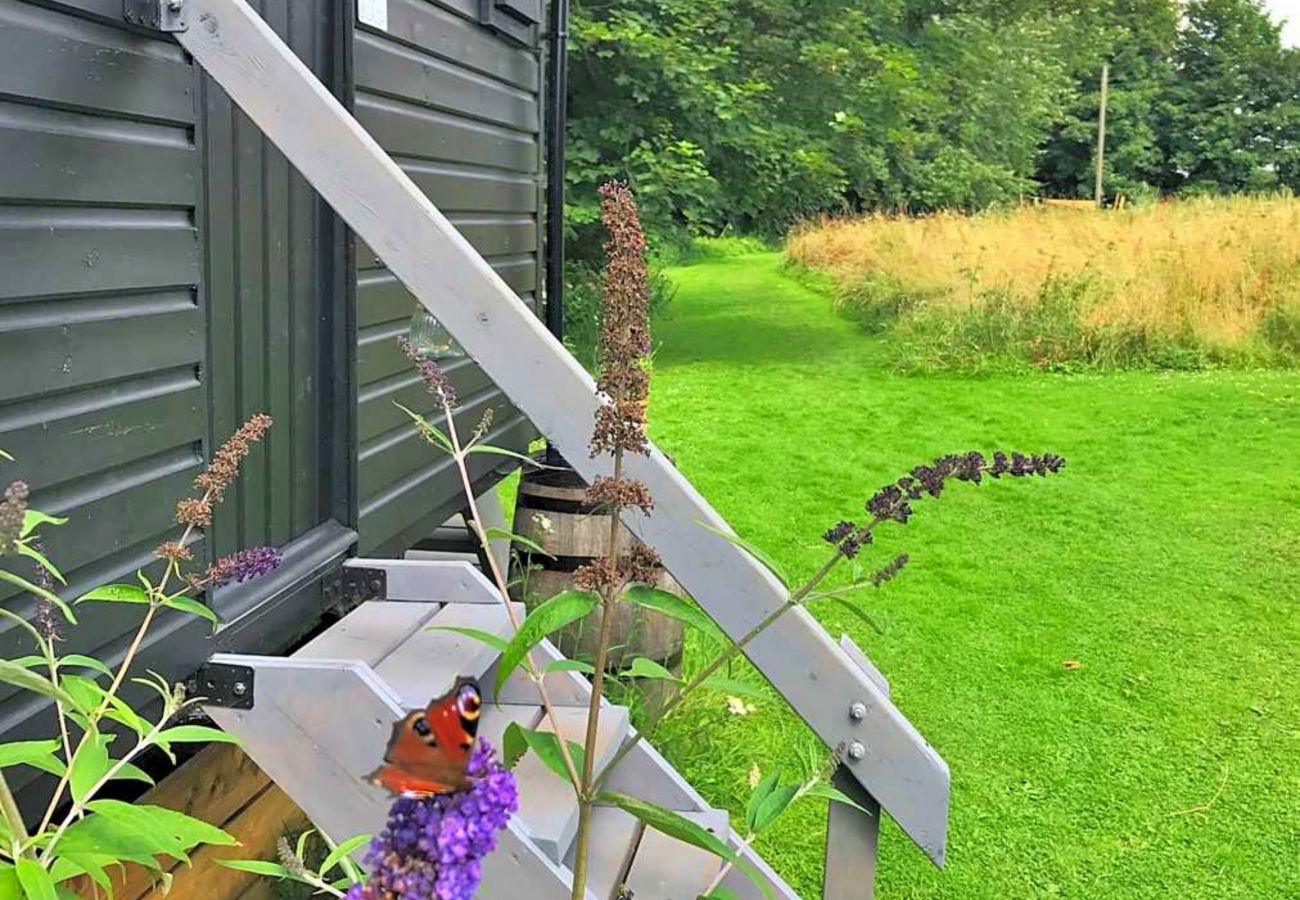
1216,280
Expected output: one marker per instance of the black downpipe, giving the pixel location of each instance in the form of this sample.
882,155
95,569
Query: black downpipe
556,121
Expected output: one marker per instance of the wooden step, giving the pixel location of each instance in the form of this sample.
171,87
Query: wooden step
399,640
664,868
546,803
614,839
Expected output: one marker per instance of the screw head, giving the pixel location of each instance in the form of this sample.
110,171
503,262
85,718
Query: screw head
240,689
858,711
856,750
175,5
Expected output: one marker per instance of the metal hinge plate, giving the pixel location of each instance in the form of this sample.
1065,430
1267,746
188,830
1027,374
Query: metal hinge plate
160,15
222,684
353,585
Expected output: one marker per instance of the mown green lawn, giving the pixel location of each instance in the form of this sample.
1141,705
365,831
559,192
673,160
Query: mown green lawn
1165,560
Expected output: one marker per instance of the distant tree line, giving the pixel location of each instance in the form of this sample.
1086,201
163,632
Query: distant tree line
746,115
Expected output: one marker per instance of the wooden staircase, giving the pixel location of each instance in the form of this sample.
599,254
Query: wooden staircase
314,721
317,722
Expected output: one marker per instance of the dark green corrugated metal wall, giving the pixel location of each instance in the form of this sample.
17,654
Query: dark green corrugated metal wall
166,273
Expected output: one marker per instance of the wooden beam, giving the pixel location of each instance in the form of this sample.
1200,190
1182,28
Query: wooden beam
424,250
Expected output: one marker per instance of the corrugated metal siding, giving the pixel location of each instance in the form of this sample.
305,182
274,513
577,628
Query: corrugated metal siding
166,274
458,108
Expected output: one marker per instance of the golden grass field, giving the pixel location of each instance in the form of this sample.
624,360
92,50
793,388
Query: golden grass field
1220,276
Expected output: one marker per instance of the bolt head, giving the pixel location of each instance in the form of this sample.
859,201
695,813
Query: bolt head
856,750
240,689
858,711
175,5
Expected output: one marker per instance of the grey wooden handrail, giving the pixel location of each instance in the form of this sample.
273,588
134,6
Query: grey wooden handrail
349,169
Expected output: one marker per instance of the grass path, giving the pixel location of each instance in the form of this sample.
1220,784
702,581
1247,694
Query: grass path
1166,560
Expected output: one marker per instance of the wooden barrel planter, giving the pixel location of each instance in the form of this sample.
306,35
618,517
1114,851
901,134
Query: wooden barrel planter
551,510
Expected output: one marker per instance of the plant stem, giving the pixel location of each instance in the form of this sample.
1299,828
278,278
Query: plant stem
538,677
9,807
586,796
719,661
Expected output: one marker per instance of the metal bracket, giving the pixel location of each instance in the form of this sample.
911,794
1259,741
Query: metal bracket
160,15
351,586
222,684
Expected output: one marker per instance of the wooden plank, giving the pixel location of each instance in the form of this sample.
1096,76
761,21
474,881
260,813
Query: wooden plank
213,786
417,132
614,838
492,726
368,189
547,806
390,68
429,27
67,60
427,663
320,726
56,156
667,869
370,632
256,827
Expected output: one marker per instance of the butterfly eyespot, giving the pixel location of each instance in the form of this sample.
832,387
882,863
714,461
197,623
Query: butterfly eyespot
470,702
421,727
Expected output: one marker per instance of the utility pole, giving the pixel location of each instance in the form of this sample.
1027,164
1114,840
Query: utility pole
1101,132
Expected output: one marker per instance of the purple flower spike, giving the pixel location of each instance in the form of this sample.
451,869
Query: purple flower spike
432,847
244,565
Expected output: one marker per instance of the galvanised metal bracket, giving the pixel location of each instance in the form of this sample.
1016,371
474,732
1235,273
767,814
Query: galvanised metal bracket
351,586
160,15
222,684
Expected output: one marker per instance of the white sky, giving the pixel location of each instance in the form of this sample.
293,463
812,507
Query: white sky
1289,10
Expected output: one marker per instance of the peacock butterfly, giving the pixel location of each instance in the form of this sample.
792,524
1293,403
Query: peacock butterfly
429,750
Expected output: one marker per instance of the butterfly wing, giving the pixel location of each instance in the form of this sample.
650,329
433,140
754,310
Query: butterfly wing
429,750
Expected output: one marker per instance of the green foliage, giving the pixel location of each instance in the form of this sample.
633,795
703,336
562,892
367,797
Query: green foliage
1164,566
746,117
550,616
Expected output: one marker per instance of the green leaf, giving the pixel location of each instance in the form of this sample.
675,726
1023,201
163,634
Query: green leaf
670,605
14,674
514,745
9,886
42,561
835,795
570,665
195,734
256,866
734,686
353,872
95,842
86,694
859,613
132,772
6,456
775,803
495,641
193,607
528,542
721,893
670,823
116,593
90,763
428,429
760,793
33,519
502,451
648,668
547,747
552,615
753,550
342,850
24,585
36,882
174,832
37,754
77,661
